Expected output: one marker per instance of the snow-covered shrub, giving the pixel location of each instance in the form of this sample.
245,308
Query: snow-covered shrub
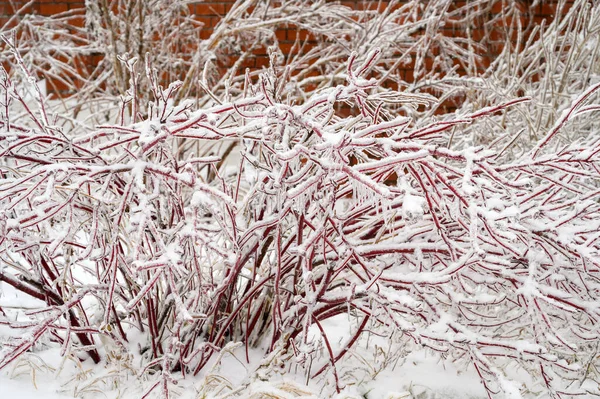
255,216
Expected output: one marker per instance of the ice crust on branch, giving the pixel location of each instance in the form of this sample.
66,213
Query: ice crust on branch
275,203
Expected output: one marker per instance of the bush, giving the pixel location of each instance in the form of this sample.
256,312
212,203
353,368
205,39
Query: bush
248,214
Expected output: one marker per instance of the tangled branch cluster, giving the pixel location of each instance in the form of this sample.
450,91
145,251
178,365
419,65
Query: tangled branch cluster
256,218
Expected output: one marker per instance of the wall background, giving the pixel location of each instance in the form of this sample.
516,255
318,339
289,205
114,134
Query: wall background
210,12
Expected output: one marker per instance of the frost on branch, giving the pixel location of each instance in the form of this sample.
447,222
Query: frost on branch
259,217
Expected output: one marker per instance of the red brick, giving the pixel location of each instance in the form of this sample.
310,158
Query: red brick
249,62
281,34
205,33
210,9
206,20
302,34
261,62
69,2
497,7
77,21
546,10
53,8
7,9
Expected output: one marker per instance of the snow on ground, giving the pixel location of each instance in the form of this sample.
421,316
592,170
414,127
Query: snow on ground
425,377
44,375
23,389
418,378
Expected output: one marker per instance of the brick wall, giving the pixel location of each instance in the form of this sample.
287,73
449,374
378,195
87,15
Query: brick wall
210,12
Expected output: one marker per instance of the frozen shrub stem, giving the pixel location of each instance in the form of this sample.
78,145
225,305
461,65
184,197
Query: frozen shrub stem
255,208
